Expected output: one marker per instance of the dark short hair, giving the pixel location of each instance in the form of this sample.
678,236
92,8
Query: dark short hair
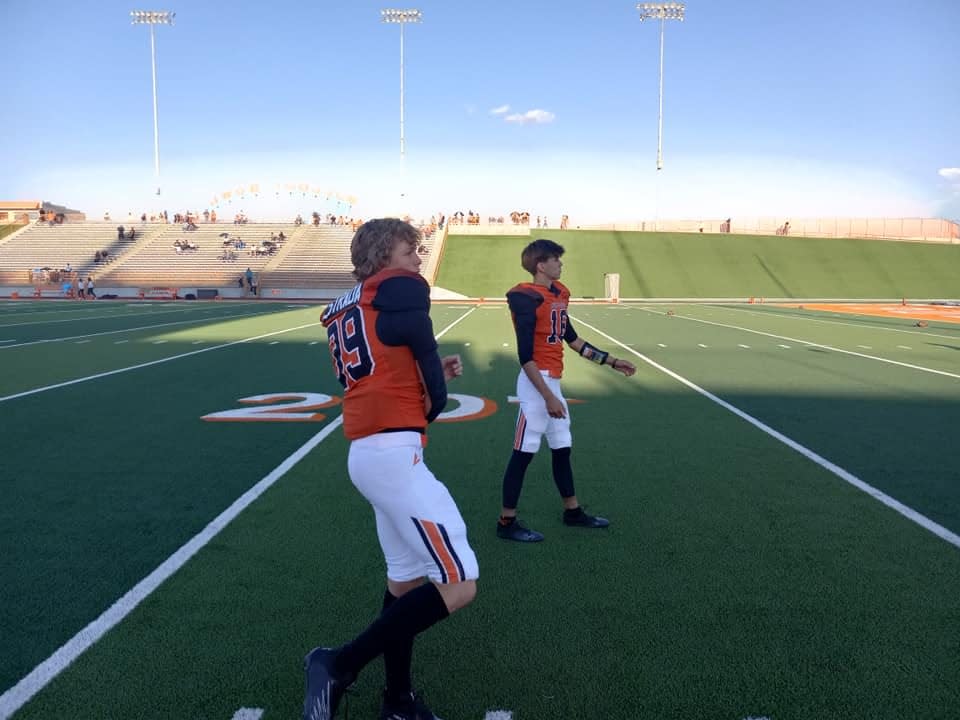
537,252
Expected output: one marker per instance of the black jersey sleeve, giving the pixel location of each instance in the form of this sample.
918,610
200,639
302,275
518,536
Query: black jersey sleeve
569,335
404,319
523,306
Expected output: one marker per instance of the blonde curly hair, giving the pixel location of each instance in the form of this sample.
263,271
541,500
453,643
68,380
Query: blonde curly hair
374,241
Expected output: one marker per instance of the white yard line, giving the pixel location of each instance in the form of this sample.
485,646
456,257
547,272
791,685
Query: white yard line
844,475
813,344
38,678
831,322
17,696
248,714
95,317
108,373
135,329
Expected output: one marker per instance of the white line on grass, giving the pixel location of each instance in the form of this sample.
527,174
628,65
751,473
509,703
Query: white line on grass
17,696
746,347
95,317
134,329
38,678
904,347
498,715
813,344
828,322
248,714
849,477
108,373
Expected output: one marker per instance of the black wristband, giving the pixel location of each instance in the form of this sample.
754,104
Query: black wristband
593,354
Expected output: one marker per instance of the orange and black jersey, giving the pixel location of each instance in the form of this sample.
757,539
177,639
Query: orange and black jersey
541,324
379,334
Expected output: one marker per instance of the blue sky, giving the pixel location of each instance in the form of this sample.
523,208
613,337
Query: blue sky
770,108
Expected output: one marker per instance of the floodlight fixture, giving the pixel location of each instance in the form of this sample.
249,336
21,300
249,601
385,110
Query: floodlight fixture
662,12
152,18
401,18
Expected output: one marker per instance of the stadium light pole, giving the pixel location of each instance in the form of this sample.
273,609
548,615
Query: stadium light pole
401,18
661,12
151,18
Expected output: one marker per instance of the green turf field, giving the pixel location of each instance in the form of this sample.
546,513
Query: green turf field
782,487
682,265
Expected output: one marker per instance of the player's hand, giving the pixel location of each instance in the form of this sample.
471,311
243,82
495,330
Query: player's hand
555,408
624,366
452,367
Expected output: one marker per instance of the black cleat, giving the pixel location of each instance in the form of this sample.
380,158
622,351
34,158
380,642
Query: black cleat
516,531
583,520
407,708
324,687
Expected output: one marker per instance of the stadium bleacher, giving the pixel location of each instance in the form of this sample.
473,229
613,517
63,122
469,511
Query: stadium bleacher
54,246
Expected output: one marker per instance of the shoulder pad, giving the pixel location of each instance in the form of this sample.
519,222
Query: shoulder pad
526,290
401,290
524,298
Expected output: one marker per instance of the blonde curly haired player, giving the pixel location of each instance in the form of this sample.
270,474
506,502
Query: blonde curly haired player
385,355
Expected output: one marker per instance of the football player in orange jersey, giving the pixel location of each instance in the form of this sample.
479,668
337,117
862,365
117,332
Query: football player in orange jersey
539,311
385,355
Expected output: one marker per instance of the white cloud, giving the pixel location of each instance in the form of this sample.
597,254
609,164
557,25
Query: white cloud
537,117
502,110
950,173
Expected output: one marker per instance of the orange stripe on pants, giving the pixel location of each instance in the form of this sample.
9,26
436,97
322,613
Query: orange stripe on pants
521,427
440,548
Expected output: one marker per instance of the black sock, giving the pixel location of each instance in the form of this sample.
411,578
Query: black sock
562,472
397,658
507,520
574,513
407,617
513,478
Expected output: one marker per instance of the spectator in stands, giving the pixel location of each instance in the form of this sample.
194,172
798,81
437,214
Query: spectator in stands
248,276
726,229
299,220
90,294
254,279
213,216
281,237
68,269
120,230
104,254
132,234
206,216
96,256
80,295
